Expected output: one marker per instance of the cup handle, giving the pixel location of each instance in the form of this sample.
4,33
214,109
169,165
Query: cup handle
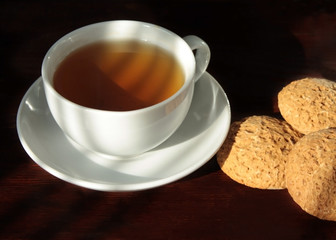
202,54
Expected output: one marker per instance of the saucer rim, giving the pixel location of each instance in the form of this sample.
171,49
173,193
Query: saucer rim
120,187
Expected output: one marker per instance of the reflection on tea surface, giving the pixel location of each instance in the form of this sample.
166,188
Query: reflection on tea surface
118,76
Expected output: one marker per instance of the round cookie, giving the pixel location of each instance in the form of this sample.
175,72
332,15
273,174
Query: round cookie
309,104
311,173
255,150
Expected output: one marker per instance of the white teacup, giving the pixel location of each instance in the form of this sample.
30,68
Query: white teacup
125,133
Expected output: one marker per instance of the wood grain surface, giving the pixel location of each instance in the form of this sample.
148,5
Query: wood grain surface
257,47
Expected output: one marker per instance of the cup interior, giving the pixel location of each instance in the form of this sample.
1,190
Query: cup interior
119,31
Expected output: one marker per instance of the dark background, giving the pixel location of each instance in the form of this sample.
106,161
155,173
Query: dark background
257,47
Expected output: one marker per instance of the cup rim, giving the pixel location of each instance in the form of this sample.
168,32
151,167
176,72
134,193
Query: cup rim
46,82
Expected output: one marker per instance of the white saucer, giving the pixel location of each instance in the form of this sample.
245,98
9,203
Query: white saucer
192,145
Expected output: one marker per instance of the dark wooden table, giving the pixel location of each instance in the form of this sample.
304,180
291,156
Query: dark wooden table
257,47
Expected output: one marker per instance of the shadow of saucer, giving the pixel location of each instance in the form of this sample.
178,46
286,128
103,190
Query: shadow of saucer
208,168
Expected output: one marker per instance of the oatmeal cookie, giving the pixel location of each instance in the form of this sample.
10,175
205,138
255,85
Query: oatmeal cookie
309,104
255,151
311,173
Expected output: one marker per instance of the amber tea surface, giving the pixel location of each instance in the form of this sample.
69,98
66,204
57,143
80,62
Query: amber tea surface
118,76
